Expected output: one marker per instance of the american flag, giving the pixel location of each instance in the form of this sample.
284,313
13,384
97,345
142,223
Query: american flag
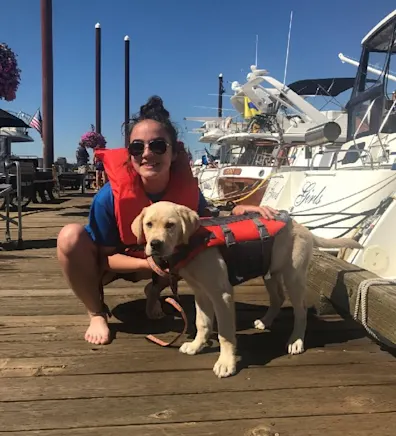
36,121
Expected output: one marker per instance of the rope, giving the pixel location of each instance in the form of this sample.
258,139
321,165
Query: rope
233,194
362,305
235,199
253,190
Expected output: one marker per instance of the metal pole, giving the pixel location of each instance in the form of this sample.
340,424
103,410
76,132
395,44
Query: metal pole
19,202
98,124
126,114
221,92
47,83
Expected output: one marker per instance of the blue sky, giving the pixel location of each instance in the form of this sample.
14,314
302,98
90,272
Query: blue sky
178,48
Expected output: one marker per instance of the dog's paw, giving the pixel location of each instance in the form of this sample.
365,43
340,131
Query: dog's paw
225,367
191,348
155,312
295,347
259,325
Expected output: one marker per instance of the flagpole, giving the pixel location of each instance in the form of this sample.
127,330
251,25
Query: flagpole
32,116
47,84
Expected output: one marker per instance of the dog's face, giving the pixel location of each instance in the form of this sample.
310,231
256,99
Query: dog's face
163,226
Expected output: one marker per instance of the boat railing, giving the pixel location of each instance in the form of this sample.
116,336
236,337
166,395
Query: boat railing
383,124
368,111
377,136
24,117
336,153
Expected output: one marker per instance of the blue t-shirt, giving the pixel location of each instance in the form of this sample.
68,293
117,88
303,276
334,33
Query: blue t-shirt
102,224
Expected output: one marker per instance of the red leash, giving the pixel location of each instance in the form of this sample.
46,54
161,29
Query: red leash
162,343
169,300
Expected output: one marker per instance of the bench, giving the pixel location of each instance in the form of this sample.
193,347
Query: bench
33,182
6,191
76,180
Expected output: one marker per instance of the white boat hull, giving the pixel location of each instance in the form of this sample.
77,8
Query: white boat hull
379,243
318,199
208,181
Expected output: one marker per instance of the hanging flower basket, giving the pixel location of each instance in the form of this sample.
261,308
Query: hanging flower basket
92,139
9,73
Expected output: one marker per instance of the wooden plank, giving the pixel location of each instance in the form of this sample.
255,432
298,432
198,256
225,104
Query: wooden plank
191,382
338,281
154,409
44,273
147,359
135,288
70,327
334,425
54,293
251,299
42,320
74,320
249,340
50,340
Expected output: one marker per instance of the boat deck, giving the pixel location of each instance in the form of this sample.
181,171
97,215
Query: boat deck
53,383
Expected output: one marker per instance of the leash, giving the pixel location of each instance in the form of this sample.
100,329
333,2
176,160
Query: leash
172,301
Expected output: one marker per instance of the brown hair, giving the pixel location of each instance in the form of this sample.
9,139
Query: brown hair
154,110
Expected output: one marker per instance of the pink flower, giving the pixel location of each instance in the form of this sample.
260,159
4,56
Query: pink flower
9,73
92,139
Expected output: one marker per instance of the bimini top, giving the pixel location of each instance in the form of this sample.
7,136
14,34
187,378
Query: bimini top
330,87
379,36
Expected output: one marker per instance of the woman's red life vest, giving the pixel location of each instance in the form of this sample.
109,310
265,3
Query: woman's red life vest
129,195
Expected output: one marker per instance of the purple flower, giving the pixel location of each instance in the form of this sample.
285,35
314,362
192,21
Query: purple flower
9,73
92,139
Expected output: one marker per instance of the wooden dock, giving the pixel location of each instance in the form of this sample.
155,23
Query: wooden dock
53,383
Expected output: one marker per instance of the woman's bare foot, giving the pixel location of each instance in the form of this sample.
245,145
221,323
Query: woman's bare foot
98,332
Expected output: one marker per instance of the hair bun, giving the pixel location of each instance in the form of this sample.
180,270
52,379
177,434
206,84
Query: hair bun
154,108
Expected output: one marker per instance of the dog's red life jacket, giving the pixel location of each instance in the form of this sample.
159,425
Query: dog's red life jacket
130,197
245,242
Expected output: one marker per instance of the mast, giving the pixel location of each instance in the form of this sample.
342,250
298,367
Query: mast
221,92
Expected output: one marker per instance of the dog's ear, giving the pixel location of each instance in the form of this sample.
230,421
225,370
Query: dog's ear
137,227
189,222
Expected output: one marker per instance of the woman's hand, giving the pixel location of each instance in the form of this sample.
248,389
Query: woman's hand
265,211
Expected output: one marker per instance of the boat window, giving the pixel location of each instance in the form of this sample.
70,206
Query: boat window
360,124
378,61
383,39
247,156
375,85
353,154
389,115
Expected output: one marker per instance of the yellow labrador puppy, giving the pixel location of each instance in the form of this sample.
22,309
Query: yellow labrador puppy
165,225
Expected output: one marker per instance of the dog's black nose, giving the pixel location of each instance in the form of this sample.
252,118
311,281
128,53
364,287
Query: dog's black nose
156,244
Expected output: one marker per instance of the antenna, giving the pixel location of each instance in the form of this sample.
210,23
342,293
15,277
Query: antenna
256,51
288,45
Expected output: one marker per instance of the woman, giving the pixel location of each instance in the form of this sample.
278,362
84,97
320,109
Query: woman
100,174
154,168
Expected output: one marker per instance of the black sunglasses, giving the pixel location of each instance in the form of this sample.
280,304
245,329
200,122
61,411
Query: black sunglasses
156,146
